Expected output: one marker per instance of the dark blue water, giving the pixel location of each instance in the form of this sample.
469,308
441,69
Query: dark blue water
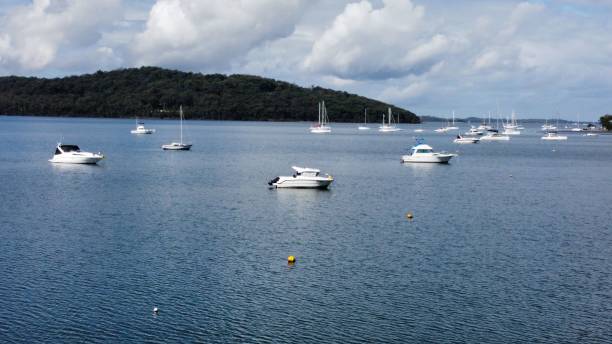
511,242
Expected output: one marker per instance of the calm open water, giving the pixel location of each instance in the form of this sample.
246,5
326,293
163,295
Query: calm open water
511,242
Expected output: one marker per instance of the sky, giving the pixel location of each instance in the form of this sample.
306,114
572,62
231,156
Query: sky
539,58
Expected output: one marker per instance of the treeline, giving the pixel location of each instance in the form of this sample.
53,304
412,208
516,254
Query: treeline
156,92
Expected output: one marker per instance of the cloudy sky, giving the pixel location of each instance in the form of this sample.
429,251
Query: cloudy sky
539,57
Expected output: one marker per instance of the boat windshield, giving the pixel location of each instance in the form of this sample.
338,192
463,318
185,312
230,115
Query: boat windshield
70,148
306,173
424,151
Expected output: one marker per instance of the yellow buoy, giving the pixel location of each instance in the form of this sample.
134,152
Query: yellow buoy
291,259
409,215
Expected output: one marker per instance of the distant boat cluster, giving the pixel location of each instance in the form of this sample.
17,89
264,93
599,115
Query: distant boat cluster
311,178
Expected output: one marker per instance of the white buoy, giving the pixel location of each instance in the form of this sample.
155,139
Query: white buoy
155,310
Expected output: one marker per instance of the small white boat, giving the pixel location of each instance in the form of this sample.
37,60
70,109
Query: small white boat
441,130
321,127
552,136
365,121
303,178
474,132
466,140
388,127
140,129
72,154
178,145
422,153
591,134
419,130
511,131
491,136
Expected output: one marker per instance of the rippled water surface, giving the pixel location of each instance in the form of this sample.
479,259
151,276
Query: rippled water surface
511,242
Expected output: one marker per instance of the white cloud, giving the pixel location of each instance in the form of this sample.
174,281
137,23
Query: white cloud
208,34
33,34
378,43
407,93
429,56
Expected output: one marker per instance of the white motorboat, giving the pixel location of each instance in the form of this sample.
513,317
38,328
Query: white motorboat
321,127
474,132
466,140
511,131
484,127
303,178
552,136
140,129
365,121
418,130
72,154
441,130
422,153
591,134
548,127
390,126
492,136
178,145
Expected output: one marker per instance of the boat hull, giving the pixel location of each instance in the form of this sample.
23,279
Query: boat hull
388,130
465,141
320,130
72,159
432,159
556,138
143,132
183,147
302,183
495,138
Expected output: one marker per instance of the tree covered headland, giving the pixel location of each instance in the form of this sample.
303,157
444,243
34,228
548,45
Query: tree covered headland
156,92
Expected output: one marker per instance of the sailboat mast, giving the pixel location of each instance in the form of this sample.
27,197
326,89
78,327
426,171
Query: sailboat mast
323,114
181,114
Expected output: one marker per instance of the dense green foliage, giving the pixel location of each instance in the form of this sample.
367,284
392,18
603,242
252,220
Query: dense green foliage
156,92
606,122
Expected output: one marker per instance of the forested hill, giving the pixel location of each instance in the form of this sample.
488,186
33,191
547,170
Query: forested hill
157,92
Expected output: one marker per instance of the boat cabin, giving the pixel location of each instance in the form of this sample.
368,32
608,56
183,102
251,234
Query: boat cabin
422,149
305,171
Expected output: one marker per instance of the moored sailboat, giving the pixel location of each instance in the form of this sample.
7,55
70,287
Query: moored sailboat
321,127
388,127
178,145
